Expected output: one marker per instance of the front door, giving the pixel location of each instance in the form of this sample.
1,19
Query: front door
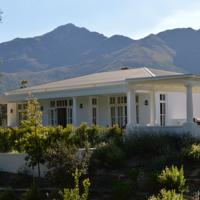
61,116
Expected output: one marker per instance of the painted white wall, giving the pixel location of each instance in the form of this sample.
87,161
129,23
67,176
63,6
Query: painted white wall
175,109
46,105
144,110
15,162
83,113
12,119
104,111
196,105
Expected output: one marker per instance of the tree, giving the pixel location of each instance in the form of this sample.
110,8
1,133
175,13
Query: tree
34,141
23,84
62,160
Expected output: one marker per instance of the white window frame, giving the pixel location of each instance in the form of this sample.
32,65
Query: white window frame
120,110
137,108
21,111
66,103
163,103
94,106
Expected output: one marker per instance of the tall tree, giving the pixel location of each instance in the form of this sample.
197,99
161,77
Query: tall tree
34,142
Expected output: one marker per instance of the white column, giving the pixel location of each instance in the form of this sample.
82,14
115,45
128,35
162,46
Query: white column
131,107
189,103
152,108
75,111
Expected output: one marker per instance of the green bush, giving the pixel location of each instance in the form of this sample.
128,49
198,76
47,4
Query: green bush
114,134
5,144
109,156
32,194
7,195
173,179
95,135
63,160
154,144
134,174
121,191
167,195
192,152
74,193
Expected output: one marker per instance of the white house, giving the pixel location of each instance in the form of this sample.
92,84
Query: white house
142,98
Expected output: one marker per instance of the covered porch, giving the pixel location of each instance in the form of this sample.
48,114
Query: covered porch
175,92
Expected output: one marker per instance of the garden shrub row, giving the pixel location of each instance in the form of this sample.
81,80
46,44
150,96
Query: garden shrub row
13,139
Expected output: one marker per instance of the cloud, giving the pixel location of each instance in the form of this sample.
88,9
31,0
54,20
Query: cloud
180,19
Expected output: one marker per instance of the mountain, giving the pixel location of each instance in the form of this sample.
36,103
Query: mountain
70,51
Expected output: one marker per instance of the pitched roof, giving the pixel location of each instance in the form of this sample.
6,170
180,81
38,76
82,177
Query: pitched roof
97,79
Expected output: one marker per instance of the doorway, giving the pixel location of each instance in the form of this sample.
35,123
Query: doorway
61,116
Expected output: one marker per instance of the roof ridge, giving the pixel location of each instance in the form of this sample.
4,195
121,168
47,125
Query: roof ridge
149,71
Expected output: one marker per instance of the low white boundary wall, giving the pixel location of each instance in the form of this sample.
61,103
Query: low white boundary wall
186,128
15,163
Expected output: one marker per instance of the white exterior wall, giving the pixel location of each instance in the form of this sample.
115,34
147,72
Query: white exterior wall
196,105
83,113
46,105
144,110
104,111
12,117
175,109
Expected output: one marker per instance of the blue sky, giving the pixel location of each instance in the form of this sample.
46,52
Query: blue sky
133,18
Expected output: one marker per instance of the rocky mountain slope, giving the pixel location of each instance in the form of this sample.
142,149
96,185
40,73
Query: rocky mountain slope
70,51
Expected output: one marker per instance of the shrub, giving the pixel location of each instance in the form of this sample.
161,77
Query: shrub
5,144
192,152
114,134
8,194
81,134
173,179
154,144
95,135
32,194
121,191
74,193
134,174
63,160
109,155
167,195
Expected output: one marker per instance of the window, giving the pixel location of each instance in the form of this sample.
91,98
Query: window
118,110
21,112
52,104
69,115
113,115
162,109
137,109
94,109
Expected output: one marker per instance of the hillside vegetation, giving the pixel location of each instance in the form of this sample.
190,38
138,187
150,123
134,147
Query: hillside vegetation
70,51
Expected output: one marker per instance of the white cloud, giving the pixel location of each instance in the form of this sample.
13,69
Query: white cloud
181,19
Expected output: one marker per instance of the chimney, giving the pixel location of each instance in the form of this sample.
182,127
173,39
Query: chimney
124,68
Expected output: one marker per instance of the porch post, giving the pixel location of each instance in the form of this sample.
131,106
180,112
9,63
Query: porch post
189,103
152,108
74,111
131,107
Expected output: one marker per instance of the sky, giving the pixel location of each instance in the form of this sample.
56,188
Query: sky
132,18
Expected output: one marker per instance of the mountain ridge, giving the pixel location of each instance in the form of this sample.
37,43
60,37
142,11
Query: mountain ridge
70,51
